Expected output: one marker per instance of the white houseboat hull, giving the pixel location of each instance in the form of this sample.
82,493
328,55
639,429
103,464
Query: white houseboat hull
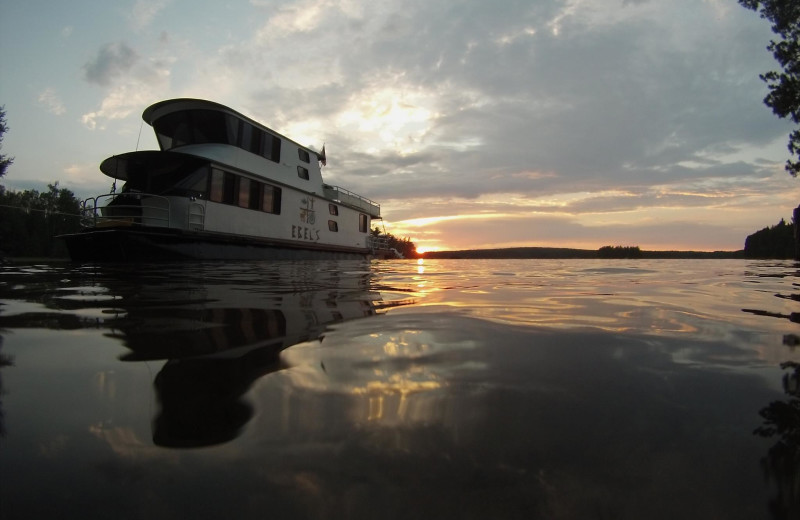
222,187
144,245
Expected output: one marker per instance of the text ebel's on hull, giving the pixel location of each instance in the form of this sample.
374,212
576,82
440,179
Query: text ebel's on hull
222,186
130,245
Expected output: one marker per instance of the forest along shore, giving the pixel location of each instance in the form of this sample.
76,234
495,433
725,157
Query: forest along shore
567,253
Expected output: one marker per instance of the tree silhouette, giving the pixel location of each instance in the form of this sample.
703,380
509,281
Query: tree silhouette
5,161
619,252
405,246
784,87
771,242
29,220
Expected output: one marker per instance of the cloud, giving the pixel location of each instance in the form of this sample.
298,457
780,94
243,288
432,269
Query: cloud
113,60
125,99
81,174
144,11
131,82
600,105
51,101
145,85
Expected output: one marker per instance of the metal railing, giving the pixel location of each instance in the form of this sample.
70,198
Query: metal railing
114,209
377,242
352,199
196,216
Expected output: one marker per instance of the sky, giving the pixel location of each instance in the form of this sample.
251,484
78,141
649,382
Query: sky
475,124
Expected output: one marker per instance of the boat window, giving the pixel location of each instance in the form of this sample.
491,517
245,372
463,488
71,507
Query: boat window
256,189
164,140
208,126
229,188
303,155
197,182
217,182
333,226
302,172
256,141
245,135
333,209
363,223
212,126
244,192
168,177
271,199
185,180
231,130
271,147
194,127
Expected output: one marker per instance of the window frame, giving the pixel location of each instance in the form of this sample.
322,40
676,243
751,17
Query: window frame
363,222
226,187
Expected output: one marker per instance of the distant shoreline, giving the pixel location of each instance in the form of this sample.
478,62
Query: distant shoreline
560,253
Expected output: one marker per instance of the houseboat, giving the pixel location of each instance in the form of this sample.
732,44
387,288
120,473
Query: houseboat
222,186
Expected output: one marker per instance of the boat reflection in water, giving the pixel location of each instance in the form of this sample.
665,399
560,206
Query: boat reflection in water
218,339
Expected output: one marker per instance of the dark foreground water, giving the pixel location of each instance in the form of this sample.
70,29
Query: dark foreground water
447,389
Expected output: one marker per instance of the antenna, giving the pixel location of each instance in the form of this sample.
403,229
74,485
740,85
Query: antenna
140,134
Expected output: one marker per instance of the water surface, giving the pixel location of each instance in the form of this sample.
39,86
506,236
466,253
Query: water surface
397,389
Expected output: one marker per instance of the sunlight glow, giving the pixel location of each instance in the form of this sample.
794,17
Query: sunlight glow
399,117
427,221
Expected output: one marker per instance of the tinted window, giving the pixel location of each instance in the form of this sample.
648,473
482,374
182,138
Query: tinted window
255,194
244,193
271,199
229,188
333,226
303,155
302,172
210,126
169,178
217,182
194,127
271,147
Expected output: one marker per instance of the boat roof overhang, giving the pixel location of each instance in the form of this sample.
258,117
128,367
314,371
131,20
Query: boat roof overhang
162,108
133,163
168,106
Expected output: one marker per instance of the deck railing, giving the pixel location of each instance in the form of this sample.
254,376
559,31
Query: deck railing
349,198
125,209
377,242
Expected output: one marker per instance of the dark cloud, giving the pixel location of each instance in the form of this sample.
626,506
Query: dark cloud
603,104
112,61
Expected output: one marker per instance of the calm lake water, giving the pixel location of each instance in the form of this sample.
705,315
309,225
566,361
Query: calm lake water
398,389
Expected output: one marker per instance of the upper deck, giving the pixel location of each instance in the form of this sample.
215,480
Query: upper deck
207,129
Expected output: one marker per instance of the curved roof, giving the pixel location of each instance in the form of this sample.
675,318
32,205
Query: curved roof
168,106
162,108
121,166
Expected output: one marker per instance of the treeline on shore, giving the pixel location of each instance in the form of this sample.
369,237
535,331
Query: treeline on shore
772,242
775,242
30,220
560,253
